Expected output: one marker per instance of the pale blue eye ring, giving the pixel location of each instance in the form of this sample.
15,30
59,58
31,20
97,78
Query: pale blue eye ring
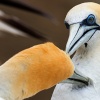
91,19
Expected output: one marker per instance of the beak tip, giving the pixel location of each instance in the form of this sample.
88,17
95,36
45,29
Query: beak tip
67,50
70,52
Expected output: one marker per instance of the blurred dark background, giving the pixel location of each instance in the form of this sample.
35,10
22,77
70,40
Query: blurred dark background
53,29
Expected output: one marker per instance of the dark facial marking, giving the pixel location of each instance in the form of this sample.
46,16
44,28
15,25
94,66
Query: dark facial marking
85,45
67,25
89,21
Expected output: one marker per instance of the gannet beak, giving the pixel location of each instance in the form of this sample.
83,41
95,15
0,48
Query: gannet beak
79,35
78,78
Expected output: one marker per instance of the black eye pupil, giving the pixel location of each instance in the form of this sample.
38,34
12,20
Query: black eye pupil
91,19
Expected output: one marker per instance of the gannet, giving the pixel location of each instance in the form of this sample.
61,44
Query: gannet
83,21
33,70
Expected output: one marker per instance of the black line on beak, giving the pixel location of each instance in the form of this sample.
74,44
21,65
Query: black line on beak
78,80
76,34
81,37
81,81
92,35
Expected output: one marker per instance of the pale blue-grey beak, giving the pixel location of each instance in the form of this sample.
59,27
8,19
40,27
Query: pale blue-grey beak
79,35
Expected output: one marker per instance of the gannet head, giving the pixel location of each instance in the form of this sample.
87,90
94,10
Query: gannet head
83,22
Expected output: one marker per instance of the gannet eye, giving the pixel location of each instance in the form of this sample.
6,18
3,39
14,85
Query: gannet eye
67,25
90,19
